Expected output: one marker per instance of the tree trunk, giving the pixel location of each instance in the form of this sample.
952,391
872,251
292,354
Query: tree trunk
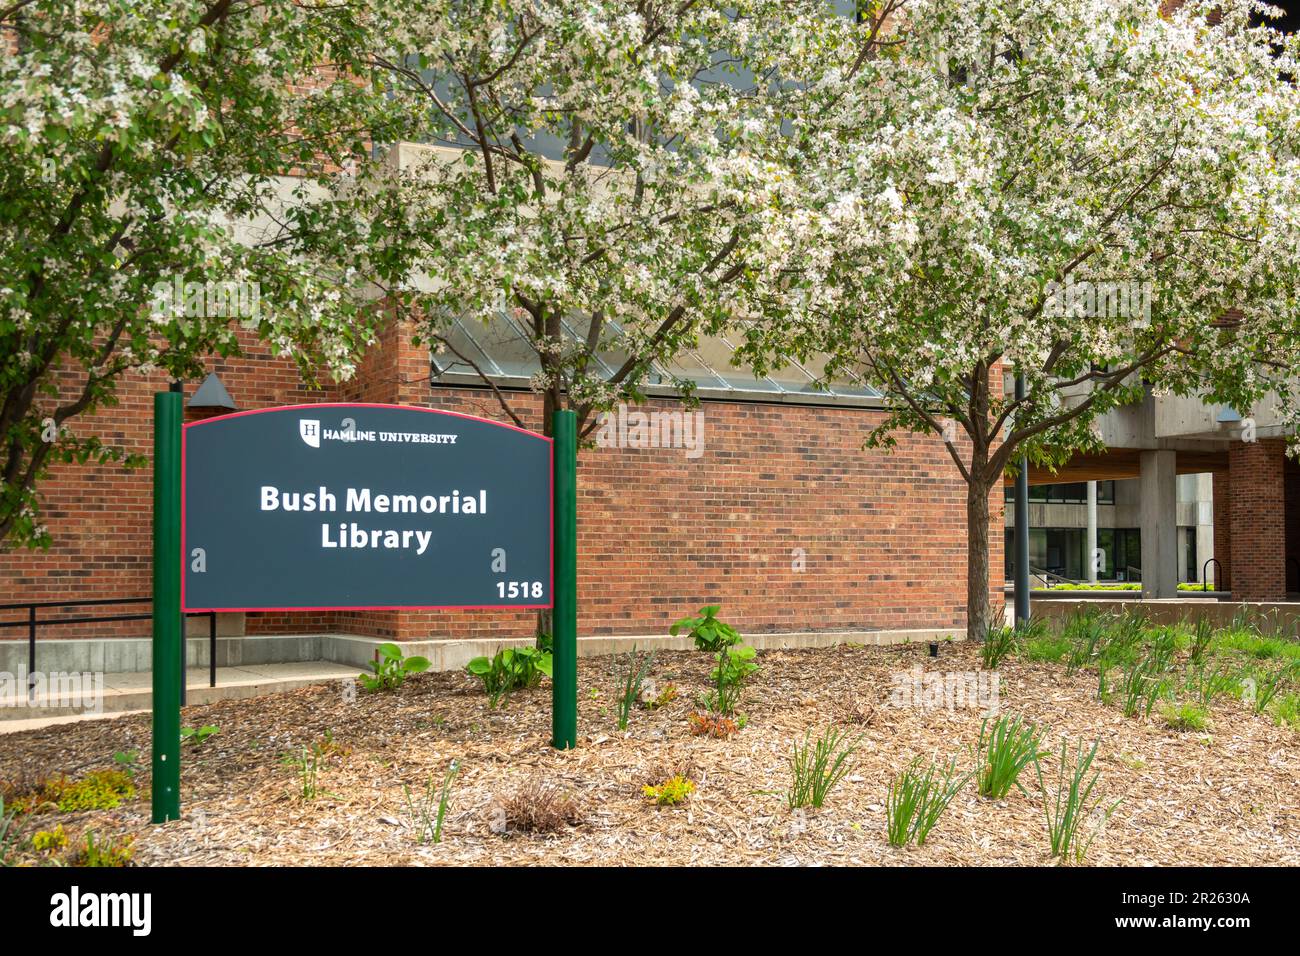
978,612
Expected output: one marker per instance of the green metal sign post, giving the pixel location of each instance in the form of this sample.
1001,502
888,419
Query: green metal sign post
168,645
564,679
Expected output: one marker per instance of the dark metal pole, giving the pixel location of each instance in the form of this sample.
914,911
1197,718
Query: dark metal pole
1021,562
212,648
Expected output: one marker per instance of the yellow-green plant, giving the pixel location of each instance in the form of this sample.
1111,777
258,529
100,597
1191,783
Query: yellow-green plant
50,841
672,791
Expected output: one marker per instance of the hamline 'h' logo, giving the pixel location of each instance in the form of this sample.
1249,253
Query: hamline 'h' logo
309,429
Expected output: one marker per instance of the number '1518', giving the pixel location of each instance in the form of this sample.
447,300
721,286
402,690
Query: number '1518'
519,589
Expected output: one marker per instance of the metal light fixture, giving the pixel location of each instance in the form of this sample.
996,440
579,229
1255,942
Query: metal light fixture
212,394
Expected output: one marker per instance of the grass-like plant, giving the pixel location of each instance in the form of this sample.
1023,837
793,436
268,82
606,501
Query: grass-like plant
917,798
816,766
1202,636
1143,683
1185,715
1207,682
1072,802
1004,750
999,642
427,816
1286,711
10,838
308,765
1261,685
1052,648
637,668
1086,632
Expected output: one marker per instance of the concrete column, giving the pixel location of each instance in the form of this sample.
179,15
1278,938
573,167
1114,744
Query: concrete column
1158,486
1090,540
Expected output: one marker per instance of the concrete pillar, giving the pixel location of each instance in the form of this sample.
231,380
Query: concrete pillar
1158,486
1257,514
1090,540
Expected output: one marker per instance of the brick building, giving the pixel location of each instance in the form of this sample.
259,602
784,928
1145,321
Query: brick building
780,515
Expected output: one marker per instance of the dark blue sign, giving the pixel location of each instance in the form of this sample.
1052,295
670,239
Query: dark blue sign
364,507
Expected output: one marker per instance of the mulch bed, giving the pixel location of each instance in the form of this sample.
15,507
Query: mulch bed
1228,795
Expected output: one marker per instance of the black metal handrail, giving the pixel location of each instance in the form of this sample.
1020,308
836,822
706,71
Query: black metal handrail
33,621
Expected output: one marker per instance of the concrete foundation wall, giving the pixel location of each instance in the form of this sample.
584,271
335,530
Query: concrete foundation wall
133,655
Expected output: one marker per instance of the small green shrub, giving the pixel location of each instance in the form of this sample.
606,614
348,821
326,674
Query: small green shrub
391,669
1187,715
510,669
917,798
671,792
1004,750
197,735
706,630
817,766
1072,802
735,666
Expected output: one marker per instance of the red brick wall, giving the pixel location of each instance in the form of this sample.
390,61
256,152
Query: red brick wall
660,534
1291,476
1257,514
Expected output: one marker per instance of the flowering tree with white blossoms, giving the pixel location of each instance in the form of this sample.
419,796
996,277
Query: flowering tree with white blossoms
571,174
137,135
930,219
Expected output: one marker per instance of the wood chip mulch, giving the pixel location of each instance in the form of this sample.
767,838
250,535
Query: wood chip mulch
1228,795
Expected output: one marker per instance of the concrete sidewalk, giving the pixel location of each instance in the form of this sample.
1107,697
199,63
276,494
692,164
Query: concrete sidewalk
133,692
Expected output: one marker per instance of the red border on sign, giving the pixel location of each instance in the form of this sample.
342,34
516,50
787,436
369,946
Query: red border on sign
371,607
